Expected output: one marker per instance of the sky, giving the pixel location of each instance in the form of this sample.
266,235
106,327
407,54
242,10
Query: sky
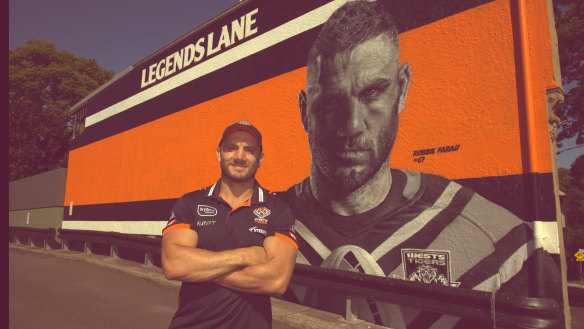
120,33
117,33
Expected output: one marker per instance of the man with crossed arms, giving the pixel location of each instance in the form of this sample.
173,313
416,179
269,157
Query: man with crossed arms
231,244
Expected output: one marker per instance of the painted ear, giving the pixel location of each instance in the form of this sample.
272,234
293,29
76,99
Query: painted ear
218,150
404,76
303,104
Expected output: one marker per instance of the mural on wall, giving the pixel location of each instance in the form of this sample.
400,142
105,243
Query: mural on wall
356,212
432,86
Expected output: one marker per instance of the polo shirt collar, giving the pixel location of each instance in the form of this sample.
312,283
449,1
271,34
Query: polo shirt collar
258,197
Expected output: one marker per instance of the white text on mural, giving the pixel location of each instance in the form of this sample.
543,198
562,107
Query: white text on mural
229,35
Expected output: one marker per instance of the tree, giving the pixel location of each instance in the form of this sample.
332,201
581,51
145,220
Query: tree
572,184
569,17
43,84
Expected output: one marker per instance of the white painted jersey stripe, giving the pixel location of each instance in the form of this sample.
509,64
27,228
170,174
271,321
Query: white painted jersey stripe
312,240
413,226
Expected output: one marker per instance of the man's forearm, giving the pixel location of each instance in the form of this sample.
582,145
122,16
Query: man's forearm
258,279
192,264
269,278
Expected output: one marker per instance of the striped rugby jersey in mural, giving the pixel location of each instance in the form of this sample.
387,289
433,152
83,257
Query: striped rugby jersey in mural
428,229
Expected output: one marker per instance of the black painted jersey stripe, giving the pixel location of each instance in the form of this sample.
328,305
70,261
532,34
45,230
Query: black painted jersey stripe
489,268
433,221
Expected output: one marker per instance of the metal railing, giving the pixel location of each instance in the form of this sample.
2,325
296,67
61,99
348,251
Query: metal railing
33,237
149,245
494,309
499,310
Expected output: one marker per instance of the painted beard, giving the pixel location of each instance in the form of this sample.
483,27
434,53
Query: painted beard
348,163
252,169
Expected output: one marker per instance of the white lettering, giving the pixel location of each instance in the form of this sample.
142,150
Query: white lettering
178,60
237,29
249,21
224,39
210,50
151,73
143,83
168,65
160,75
199,50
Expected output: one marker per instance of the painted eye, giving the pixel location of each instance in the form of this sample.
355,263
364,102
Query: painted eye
371,93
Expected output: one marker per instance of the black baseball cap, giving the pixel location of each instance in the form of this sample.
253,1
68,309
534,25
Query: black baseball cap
242,126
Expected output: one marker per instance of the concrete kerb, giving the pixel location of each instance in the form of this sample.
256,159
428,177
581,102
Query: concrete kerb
285,314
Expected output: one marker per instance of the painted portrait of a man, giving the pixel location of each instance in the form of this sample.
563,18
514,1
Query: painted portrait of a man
356,212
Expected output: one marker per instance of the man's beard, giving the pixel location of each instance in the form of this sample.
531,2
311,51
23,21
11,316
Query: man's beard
339,182
249,176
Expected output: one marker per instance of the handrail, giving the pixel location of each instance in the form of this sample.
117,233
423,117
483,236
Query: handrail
151,243
510,311
37,231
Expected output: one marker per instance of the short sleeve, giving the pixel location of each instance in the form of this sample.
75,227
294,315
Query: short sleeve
181,216
282,226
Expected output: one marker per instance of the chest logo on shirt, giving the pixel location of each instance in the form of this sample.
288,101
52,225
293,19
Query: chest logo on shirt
203,210
261,214
427,266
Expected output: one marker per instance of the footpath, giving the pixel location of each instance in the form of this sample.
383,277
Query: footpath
285,315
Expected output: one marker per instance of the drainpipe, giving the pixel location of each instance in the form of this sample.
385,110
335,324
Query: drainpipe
525,83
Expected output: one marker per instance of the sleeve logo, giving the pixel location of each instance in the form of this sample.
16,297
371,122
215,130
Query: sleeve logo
171,222
203,210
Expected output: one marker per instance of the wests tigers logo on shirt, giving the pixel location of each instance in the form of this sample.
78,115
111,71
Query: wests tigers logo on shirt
261,214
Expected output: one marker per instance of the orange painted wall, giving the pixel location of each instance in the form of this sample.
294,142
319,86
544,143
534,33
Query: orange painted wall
463,92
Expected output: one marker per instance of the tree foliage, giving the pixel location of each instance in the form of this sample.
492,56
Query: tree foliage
569,17
43,84
572,184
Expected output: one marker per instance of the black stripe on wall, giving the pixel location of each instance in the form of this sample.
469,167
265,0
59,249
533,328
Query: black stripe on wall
279,59
150,210
490,265
515,193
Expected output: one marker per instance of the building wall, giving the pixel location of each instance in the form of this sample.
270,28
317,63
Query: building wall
146,145
44,190
475,113
51,217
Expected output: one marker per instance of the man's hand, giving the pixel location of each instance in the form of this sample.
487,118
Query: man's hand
183,261
269,278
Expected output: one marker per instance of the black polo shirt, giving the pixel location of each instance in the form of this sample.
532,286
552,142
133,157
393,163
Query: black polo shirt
219,227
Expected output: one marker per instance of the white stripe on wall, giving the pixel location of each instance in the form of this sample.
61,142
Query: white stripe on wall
261,42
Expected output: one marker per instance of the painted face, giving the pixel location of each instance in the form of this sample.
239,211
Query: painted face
353,100
239,156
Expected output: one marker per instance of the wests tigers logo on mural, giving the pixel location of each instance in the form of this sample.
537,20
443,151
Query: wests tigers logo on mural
428,266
